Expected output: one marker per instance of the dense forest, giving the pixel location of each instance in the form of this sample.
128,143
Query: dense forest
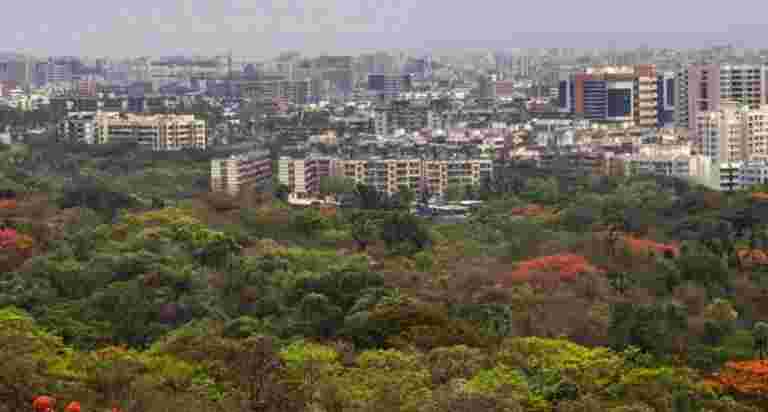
123,284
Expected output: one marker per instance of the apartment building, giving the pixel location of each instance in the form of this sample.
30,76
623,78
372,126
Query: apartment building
753,172
593,163
665,99
157,132
696,168
389,86
236,172
733,133
438,175
432,177
302,176
645,96
385,175
702,88
401,115
294,91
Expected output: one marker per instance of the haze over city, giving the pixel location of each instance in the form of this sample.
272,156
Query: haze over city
263,28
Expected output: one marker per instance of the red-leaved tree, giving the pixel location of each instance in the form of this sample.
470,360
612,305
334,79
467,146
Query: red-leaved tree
564,267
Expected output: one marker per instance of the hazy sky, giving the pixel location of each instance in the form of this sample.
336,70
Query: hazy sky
264,27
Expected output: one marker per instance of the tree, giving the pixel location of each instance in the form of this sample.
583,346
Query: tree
364,228
27,357
453,193
310,221
554,268
336,185
760,334
282,191
406,196
404,234
620,281
367,197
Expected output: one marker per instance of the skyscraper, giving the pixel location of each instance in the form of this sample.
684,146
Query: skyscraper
613,93
702,88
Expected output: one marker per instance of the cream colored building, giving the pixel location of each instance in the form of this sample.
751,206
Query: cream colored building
734,133
389,175
160,132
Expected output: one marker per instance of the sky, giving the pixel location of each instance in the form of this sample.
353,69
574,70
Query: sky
265,27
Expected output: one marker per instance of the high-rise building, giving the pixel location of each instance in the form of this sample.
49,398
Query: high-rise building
702,87
733,133
665,99
18,70
389,86
626,94
84,87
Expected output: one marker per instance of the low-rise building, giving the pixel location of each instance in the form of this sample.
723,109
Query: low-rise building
158,132
236,172
695,168
302,175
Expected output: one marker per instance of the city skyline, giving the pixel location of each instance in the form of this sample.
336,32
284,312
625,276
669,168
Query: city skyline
346,26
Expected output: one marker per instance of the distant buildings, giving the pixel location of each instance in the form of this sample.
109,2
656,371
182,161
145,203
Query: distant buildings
236,172
157,132
388,86
294,91
400,115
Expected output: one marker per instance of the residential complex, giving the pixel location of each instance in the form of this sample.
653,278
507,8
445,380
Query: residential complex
157,132
387,175
236,172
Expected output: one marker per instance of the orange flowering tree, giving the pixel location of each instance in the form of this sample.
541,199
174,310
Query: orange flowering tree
8,204
15,248
637,245
563,267
748,378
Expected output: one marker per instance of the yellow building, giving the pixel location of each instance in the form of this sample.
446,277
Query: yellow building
389,175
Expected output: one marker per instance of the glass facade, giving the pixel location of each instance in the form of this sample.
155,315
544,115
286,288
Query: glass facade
619,102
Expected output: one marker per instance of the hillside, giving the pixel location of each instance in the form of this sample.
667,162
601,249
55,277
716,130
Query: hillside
587,294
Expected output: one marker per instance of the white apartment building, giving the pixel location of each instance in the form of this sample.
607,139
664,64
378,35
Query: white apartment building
733,133
158,132
432,176
694,168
